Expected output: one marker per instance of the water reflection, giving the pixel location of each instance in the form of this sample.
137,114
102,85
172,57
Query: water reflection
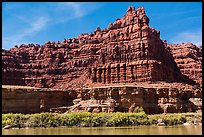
138,130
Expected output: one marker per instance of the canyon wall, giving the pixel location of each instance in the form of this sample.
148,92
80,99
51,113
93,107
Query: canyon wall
23,100
101,99
127,51
189,59
127,98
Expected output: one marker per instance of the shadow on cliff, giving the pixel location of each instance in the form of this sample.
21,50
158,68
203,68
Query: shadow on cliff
181,78
185,79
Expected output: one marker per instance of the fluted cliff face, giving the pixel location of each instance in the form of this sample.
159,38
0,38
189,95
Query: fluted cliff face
128,51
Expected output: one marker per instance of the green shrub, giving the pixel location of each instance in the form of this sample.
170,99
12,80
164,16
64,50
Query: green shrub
175,119
15,120
92,119
138,109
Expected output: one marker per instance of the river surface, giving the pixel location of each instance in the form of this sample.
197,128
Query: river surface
133,130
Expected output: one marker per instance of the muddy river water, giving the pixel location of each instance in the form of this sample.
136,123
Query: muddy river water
133,130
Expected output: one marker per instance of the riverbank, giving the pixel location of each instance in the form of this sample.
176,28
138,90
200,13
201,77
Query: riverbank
87,119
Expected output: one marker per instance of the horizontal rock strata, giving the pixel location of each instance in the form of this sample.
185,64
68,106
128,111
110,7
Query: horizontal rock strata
29,100
127,98
128,51
189,59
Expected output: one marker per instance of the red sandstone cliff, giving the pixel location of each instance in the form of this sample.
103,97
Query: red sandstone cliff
189,59
128,51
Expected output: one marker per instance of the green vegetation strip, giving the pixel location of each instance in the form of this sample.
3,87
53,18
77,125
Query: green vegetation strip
87,119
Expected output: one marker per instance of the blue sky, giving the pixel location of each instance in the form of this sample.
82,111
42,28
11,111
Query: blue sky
38,22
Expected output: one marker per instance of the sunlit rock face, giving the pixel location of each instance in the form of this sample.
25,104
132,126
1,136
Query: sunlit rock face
127,51
127,98
189,59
